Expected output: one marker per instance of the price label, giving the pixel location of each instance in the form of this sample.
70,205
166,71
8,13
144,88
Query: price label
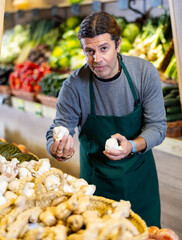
54,11
123,4
20,14
21,104
75,9
35,12
155,3
38,109
96,6
6,15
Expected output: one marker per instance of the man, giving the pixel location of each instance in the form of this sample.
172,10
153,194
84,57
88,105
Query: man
118,96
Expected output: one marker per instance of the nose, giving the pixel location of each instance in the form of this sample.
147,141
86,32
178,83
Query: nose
97,57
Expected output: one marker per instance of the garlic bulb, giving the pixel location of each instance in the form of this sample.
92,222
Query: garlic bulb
10,195
2,160
29,189
2,200
52,183
59,132
14,185
43,166
23,172
112,144
9,169
3,185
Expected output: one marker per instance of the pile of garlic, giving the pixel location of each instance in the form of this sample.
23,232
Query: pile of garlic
17,178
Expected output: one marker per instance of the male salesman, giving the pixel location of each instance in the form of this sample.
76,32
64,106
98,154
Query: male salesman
119,96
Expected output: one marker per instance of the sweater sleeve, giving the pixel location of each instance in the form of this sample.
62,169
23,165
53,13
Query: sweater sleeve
67,112
154,125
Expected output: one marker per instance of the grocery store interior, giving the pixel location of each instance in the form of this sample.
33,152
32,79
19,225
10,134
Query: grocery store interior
41,35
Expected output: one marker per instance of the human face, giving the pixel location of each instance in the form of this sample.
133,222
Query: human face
101,55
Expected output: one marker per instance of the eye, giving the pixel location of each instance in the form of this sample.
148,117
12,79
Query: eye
89,51
104,49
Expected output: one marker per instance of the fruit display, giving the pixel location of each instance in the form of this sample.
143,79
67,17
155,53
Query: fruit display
13,150
67,54
161,234
27,75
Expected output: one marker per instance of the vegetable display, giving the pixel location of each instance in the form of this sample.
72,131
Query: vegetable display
153,40
51,84
26,76
172,103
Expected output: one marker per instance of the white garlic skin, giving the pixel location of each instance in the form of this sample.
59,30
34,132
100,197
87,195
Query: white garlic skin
14,185
43,166
52,183
3,185
2,200
59,132
29,189
112,144
9,195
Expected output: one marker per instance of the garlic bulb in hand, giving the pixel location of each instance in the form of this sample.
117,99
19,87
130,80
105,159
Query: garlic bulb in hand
59,132
112,144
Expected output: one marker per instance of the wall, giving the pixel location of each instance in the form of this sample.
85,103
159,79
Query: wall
29,129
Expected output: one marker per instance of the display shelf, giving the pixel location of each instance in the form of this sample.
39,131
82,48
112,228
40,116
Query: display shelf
5,90
47,100
46,4
172,146
31,96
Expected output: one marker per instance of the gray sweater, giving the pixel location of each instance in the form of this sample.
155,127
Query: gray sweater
113,98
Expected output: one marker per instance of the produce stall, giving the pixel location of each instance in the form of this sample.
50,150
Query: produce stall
40,214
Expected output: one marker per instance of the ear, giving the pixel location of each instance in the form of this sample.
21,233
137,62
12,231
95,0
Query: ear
119,45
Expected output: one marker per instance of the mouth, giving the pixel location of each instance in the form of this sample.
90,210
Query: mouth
99,68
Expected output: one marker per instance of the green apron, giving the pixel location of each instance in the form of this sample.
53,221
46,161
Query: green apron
134,179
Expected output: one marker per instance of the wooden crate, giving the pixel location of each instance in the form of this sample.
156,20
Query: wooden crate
174,129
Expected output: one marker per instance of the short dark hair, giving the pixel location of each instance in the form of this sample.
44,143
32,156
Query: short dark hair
99,23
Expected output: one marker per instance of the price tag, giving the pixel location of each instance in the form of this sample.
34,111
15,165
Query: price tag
155,3
38,109
21,104
123,4
35,12
20,14
6,15
96,6
75,9
54,11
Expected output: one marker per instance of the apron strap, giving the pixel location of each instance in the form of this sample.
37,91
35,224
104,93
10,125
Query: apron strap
130,82
92,105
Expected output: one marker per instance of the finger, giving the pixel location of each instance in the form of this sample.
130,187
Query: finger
68,150
62,143
114,152
119,137
54,147
112,157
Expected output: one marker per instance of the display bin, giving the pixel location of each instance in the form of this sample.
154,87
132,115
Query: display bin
174,129
47,100
5,90
30,96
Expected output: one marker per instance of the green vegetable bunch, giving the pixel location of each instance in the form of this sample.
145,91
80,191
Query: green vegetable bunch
153,40
171,70
52,83
12,43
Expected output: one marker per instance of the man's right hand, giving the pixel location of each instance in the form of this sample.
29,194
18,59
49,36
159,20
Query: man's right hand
63,148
